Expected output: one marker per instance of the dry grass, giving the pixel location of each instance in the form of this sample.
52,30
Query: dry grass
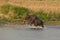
52,23
35,4
53,6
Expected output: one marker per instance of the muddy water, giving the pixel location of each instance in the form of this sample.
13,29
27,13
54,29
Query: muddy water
22,32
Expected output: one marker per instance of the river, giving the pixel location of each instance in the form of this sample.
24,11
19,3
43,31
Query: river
22,32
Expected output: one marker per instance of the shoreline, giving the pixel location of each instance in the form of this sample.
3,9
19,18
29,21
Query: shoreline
48,24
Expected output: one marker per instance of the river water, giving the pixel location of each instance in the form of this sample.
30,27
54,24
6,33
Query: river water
22,32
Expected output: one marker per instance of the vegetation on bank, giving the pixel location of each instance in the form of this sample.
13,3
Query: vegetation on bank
10,13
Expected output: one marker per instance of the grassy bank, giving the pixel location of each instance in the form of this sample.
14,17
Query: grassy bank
52,23
10,13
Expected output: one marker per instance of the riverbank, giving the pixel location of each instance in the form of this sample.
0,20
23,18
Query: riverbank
47,24
52,23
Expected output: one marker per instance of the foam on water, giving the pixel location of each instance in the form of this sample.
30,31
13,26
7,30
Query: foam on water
36,27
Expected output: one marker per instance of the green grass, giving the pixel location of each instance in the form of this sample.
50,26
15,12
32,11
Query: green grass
51,16
21,12
16,11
